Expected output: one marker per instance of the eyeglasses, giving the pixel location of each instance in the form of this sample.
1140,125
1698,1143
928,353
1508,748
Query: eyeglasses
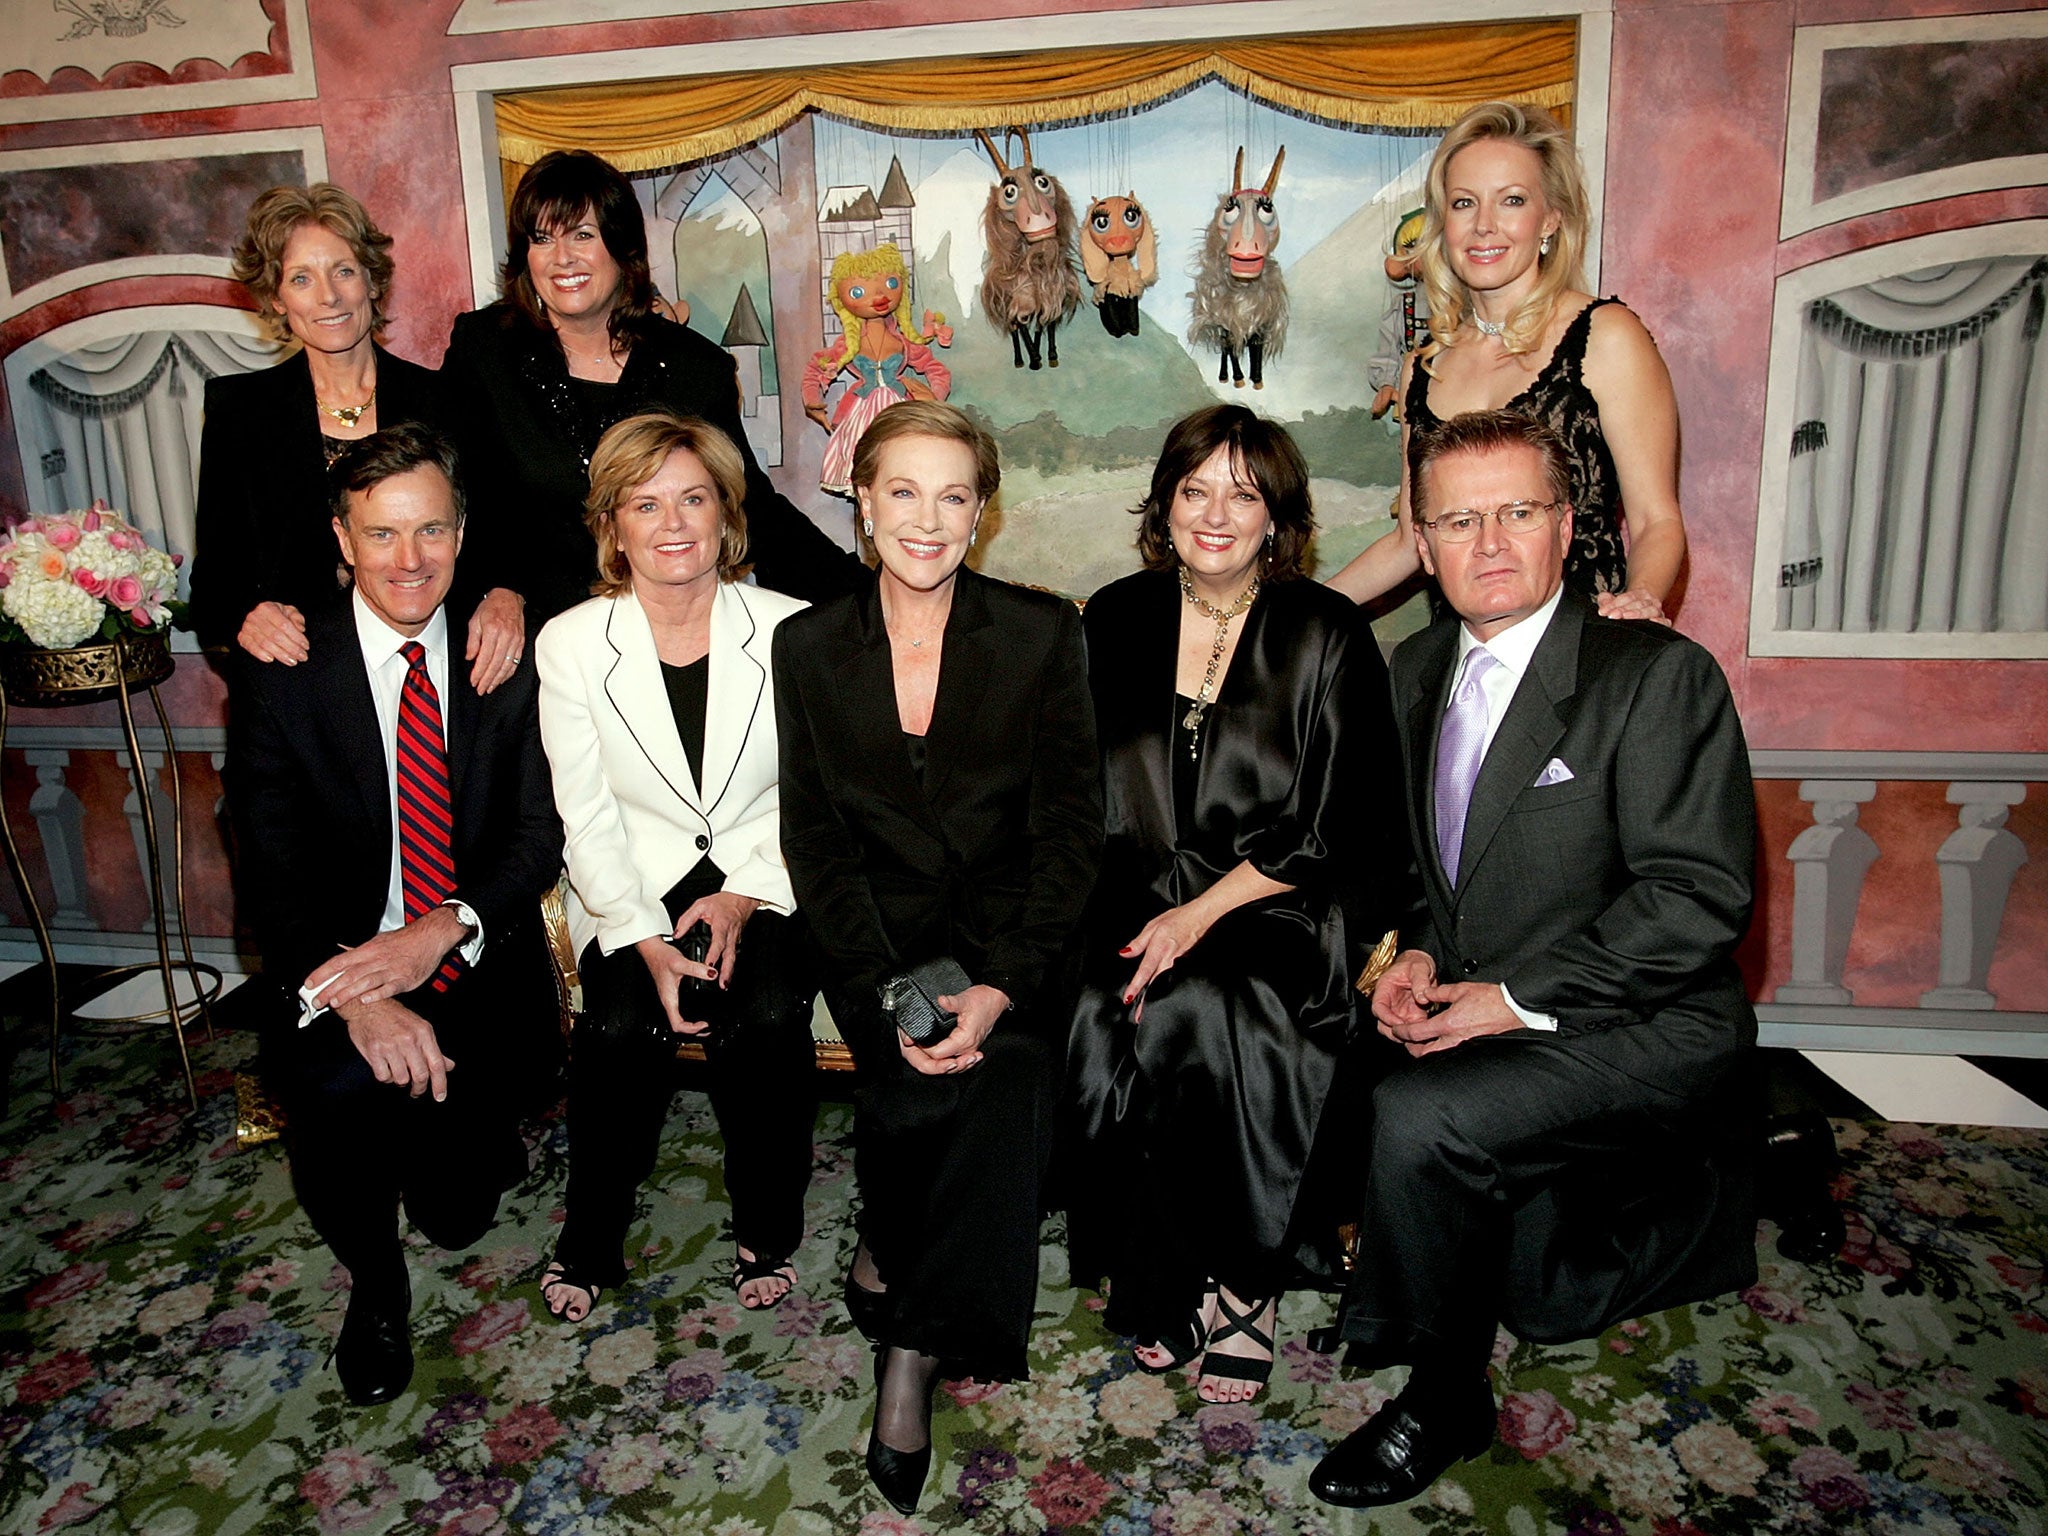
1462,526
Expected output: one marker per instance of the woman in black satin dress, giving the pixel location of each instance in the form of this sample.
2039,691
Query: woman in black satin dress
1250,782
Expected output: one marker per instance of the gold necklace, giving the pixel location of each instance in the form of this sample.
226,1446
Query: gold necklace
348,415
1192,721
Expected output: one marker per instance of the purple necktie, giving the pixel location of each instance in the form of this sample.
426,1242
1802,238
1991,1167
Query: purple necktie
1459,751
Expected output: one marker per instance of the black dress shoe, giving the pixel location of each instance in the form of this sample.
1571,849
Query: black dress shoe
373,1356
898,1475
1401,1450
869,1310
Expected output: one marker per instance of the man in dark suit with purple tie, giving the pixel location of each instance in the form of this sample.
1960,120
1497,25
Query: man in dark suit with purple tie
395,831
1562,1145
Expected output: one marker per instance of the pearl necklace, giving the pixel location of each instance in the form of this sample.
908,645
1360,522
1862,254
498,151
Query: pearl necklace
1192,721
1488,327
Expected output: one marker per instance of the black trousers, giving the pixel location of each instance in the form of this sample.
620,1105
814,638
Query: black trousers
760,1073
1551,1183
950,1170
359,1148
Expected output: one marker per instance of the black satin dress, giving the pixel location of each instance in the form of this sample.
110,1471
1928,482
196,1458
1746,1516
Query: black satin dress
1193,1129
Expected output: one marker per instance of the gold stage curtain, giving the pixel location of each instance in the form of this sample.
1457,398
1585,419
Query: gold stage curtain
1397,77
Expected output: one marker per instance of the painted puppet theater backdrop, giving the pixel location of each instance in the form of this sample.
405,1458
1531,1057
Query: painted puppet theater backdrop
1078,436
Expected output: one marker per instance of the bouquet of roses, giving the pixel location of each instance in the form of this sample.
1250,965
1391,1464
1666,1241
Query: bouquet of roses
67,578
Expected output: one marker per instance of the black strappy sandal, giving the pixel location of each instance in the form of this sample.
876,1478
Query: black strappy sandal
566,1275
1181,1350
1232,1323
765,1266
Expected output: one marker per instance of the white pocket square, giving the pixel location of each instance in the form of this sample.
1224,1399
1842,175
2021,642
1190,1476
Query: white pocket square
1554,772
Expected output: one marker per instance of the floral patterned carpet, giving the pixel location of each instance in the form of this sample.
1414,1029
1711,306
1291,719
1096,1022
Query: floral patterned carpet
166,1315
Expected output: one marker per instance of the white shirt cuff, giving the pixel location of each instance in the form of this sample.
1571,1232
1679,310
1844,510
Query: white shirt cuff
472,948
1530,1020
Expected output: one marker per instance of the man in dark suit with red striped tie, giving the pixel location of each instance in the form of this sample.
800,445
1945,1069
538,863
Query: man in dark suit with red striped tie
395,832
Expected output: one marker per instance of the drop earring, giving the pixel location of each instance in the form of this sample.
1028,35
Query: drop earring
867,526
1543,247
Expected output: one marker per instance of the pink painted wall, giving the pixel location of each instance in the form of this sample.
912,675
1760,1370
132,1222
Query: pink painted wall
1696,143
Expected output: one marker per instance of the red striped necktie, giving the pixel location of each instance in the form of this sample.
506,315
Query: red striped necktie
426,809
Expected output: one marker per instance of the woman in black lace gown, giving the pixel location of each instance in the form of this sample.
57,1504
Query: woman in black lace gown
1504,233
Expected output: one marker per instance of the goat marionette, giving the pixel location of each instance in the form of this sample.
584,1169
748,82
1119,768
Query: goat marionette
1121,258
1240,299
1028,284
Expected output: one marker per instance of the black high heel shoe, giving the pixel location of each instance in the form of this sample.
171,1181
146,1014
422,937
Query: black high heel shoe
899,1476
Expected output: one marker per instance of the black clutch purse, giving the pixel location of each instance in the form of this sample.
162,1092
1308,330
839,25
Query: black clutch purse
698,999
911,999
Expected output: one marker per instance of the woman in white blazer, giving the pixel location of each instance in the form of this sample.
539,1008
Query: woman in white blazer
658,714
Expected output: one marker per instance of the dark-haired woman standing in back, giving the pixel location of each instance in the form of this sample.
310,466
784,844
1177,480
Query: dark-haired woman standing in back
574,346
1250,779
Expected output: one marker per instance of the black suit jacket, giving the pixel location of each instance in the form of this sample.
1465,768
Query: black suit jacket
526,439
1615,898
991,859
265,515
309,791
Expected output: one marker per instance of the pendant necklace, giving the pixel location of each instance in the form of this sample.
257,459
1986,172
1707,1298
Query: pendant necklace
1192,721
1488,327
348,415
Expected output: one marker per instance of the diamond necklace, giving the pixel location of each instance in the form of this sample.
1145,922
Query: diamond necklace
1192,721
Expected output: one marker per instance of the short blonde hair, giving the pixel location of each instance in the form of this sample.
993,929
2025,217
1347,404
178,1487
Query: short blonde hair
1564,190
629,455
278,214
928,418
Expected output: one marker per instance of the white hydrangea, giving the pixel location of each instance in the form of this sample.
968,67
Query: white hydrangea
52,614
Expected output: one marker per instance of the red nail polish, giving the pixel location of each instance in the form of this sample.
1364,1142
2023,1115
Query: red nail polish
1125,950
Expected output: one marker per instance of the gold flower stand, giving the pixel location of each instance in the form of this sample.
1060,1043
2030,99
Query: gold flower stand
90,674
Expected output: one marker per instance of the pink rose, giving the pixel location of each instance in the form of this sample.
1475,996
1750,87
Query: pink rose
47,1380
1068,1494
489,1326
90,520
61,535
1773,1306
122,539
73,1505
967,1392
6,575
65,1284
1881,1407
2016,1272
347,1490
28,525
524,1434
1535,1423
89,582
125,592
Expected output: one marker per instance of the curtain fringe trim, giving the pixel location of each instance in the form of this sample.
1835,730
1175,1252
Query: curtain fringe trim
1399,113
74,402
1853,335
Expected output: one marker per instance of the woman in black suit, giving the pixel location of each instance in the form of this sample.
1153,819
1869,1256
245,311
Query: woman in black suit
319,271
1253,789
573,347
940,800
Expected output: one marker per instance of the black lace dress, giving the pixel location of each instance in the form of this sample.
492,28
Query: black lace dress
1558,396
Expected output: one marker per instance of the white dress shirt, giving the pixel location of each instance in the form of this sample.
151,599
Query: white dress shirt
1513,649
387,669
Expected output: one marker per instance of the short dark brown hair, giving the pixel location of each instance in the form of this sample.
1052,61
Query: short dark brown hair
276,215
369,461
630,454
565,187
928,418
1478,432
1261,454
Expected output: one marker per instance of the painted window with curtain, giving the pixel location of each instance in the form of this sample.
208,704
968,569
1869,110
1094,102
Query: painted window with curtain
119,418
1915,502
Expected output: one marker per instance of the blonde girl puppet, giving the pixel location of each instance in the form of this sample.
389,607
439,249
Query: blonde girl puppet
878,349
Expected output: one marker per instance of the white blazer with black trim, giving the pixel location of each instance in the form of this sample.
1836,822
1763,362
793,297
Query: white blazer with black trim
635,817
